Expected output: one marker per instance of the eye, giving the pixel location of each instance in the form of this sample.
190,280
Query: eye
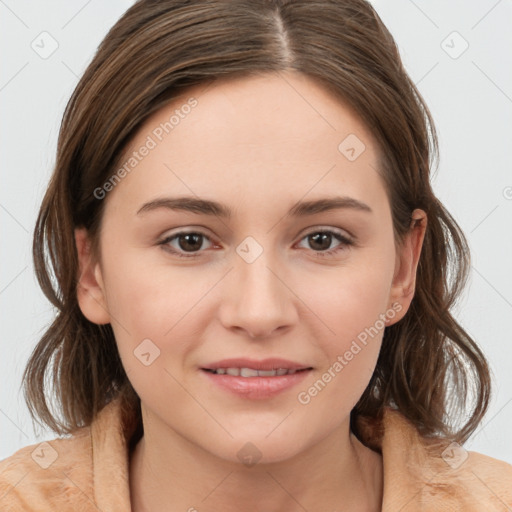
187,242
321,240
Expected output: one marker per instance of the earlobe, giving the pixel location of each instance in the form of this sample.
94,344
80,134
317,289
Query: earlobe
90,288
407,258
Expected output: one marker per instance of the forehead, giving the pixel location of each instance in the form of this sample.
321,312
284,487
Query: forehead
248,138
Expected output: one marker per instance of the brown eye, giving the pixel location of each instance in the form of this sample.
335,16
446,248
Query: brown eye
187,242
320,241
190,241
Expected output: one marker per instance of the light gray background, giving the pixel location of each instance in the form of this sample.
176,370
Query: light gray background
469,96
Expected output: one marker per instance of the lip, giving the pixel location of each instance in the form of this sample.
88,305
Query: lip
273,363
256,388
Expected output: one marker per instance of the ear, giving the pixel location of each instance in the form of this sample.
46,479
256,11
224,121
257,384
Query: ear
90,288
406,264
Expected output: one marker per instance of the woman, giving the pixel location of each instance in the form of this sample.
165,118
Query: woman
212,351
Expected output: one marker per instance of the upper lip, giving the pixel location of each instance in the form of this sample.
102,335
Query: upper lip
264,364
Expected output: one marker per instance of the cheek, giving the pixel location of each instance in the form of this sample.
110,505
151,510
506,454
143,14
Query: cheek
150,299
352,306
352,299
152,310
159,303
353,312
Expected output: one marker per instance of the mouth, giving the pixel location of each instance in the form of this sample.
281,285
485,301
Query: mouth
257,380
245,367
252,372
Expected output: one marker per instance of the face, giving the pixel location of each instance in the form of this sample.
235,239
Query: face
186,286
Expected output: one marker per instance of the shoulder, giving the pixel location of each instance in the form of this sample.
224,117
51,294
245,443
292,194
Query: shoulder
483,479
51,475
454,476
437,474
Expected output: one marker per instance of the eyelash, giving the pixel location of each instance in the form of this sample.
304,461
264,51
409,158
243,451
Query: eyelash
345,242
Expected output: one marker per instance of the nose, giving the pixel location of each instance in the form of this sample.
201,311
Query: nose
257,299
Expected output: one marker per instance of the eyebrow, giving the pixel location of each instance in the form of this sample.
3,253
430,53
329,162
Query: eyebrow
209,207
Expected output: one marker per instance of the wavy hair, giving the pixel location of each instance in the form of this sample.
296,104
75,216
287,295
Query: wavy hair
428,366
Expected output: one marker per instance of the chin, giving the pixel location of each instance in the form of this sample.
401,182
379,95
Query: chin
257,449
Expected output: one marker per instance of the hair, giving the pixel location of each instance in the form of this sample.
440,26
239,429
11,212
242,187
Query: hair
428,364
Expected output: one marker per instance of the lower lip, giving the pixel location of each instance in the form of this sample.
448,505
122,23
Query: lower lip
257,388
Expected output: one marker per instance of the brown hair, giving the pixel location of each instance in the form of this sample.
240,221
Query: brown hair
428,364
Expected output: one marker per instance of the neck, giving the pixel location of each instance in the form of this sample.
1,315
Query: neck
337,473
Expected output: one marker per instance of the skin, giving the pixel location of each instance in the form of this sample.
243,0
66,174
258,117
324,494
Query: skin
258,145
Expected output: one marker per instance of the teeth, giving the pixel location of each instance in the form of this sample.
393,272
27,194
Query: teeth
269,373
250,372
